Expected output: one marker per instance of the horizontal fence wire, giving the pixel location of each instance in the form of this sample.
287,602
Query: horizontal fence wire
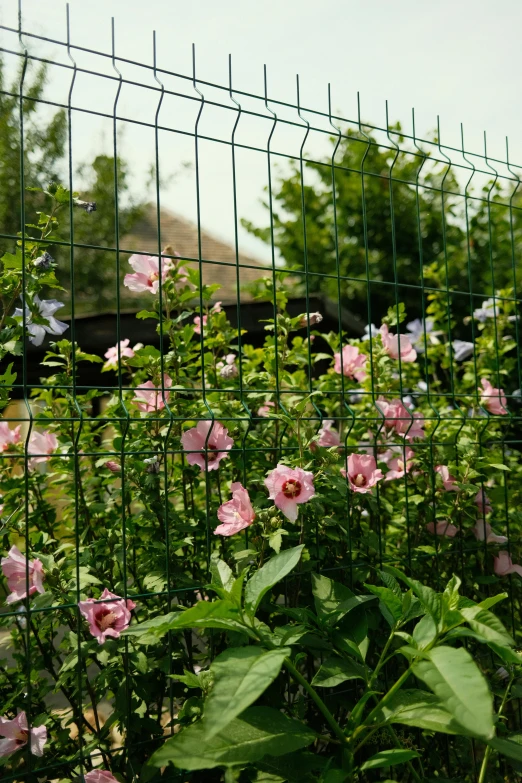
461,268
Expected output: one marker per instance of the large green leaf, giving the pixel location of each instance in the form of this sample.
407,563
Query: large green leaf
487,625
422,710
459,685
222,576
258,732
333,600
241,675
335,670
389,603
389,758
508,746
205,614
269,575
429,599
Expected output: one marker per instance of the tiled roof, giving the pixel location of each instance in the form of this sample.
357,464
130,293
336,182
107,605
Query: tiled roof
219,257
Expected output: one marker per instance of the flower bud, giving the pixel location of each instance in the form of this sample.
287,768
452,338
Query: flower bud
114,467
43,262
311,318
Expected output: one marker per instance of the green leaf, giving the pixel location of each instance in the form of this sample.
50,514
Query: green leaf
205,614
258,732
390,604
241,675
335,670
422,710
507,654
499,466
333,600
222,576
487,625
269,575
507,747
389,758
428,597
459,685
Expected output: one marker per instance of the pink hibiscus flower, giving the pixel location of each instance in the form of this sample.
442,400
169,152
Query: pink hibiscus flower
207,453
15,570
266,409
289,487
99,776
109,618
235,514
41,444
448,481
483,531
146,273
483,503
149,398
353,363
397,416
112,355
328,435
503,565
493,399
399,466
17,733
8,437
442,528
397,345
198,323
362,472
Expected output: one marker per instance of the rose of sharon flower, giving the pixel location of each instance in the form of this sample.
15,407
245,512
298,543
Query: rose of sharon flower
112,354
8,437
448,481
15,571
399,466
265,409
41,444
146,273
493,399
443,528
46,309
462,350
109,618
195,443
16,733
353,363
99,776
328,435
397,345
288,487
362,472
483,503
483,531
235,514
228,369
199,323
503,565
396,415
149,398
310,318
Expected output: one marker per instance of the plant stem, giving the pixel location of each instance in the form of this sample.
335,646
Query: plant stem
485,760
298,677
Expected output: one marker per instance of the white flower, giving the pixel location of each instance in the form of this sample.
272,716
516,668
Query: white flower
462,350
416,331
488,310
45,309
370,330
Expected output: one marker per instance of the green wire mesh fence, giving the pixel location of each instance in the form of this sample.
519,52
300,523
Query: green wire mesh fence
367,228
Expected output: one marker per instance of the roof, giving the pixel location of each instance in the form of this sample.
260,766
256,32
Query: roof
218,257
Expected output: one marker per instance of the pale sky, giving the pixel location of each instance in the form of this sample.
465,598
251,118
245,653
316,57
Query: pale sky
460,59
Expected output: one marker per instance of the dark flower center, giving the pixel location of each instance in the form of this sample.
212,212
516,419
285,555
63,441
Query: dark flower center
292,488
105,618
212,451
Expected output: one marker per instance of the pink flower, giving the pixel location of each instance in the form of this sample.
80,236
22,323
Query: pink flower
112,355
443,528
310,318
149,398
397,345
146,276
482,530
493,399
264,411
406,424
503,565
448,481
288,487
109,618
17,732
362,472
114,467
207,454
41,444
15,571
235,514
99,776
328,435
217,308
399,467
8,437
483,503
353,363
198,323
